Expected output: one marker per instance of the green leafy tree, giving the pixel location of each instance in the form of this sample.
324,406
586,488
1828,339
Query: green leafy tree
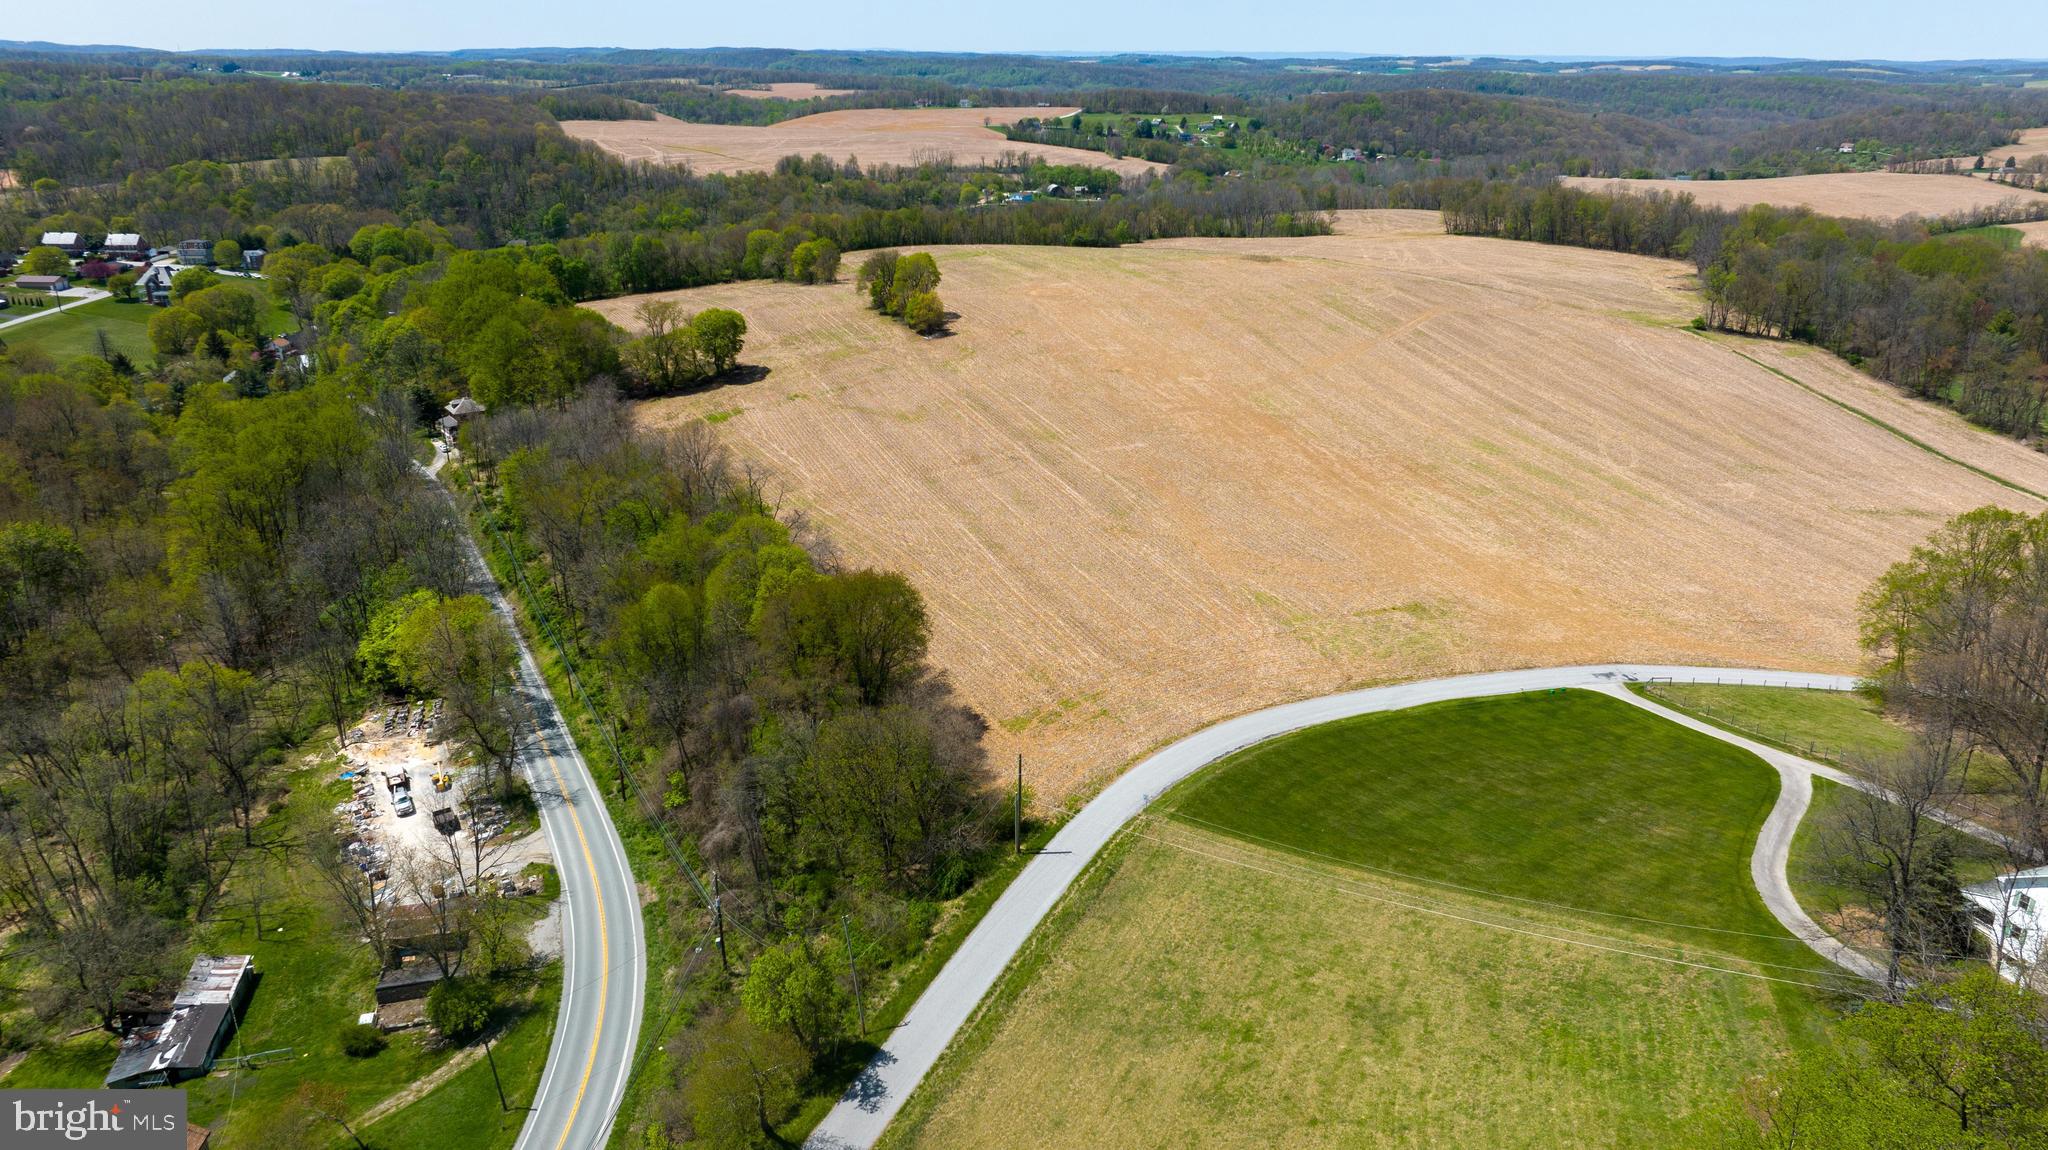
460,1008
743,1081
877,278
915,274
122,285
719,334
191,280
227,254
42,568
923,313
176,331
792,985
45,261
461,651
814,262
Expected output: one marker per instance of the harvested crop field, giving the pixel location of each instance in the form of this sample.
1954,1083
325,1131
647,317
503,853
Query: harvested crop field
1873,195
788,90
901,136
2033,142
2034,235
1146,489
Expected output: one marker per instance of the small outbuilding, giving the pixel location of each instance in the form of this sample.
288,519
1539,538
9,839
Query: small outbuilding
160,1048
51,284
252,259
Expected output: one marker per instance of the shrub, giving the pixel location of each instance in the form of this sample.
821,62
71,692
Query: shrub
359,1041
460,1008
923,313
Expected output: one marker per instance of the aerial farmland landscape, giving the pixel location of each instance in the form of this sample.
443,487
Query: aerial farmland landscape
1484,584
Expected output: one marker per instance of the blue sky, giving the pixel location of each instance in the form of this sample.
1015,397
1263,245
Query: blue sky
1834,30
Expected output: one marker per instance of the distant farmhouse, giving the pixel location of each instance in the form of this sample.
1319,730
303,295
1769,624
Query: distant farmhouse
195,253
68,241
124,245
165,1047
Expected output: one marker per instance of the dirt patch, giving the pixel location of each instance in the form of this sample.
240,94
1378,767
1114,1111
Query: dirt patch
901,136
1872,195
788,91
2034,235
1146,489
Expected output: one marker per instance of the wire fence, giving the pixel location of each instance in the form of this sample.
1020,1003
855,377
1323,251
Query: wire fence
1803,745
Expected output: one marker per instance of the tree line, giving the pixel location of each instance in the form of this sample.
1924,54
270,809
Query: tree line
1949,316
779,710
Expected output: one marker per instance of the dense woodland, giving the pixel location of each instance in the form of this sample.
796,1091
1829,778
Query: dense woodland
1949,315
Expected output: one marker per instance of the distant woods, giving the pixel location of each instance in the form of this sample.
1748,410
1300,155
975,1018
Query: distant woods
1947,315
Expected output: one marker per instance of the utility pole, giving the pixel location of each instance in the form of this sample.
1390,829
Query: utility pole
1017,813
495,1080
718,923
860,1007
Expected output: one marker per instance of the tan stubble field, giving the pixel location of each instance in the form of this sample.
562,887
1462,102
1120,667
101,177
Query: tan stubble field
1146,489
1871,195
899,136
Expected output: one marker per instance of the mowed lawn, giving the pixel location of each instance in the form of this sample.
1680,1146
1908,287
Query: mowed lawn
75,331
1234,976
1840,725
1566,796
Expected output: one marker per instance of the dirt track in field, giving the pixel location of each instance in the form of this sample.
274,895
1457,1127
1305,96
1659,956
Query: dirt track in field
900,136
1873,195
1146,489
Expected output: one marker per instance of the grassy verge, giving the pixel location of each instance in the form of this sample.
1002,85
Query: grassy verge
1832,726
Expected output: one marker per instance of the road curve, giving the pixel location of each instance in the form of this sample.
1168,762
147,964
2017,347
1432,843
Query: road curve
604,954
861,1115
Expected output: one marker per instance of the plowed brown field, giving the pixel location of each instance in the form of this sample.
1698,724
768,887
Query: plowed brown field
1148,488
901,136
2034,235
1873,195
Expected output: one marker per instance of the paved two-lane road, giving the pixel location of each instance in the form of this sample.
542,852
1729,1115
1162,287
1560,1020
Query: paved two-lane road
604,955
864,1112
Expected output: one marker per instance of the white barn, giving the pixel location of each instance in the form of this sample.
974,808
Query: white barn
2010,911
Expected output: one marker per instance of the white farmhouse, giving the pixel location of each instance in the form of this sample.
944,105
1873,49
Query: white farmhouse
2009,910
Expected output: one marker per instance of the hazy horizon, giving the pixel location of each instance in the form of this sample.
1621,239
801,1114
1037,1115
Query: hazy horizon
1598,29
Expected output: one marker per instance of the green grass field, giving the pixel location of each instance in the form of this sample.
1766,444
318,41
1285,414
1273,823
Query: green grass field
75,331
1234,974
2007,238
1835,725
1571,797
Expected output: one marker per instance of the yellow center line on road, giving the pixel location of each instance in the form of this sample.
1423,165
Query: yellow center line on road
604,936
